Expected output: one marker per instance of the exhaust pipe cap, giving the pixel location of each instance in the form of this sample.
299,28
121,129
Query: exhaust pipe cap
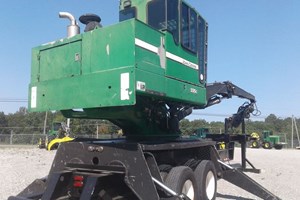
91,21
87,18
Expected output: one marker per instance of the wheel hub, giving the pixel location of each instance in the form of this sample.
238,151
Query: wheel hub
210,185
188,189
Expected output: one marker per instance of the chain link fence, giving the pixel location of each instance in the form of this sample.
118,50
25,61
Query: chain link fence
16,139
33,139
15,136
32,135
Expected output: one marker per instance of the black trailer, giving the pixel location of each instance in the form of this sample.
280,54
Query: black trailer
122,169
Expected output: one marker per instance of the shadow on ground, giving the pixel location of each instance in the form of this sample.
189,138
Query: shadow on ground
231,197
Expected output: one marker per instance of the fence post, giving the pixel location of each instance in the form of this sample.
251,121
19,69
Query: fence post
32,139
97,133
45,123
11,136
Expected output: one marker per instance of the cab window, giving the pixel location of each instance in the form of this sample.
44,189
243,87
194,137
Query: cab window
172,19
202,49
157,14
188,28
163,15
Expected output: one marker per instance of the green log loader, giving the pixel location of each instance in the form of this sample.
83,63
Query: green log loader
267,141
144,74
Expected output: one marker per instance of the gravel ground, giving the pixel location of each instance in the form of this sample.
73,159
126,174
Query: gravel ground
19,166
279,174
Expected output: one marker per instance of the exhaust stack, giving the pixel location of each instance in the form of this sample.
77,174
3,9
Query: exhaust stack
73,29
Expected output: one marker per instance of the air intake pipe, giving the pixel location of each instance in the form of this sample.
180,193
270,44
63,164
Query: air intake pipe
73,29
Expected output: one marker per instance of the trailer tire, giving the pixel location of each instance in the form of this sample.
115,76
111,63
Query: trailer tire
182,180
163,175
206,178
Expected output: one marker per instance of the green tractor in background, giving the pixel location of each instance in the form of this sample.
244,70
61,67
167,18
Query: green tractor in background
268,140
59,133
201,133
224,143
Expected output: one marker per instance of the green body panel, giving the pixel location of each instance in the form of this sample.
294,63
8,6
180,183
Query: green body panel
108,48
176,69
62,56
56,60
93,90
144,58
85,71
156,72
191,94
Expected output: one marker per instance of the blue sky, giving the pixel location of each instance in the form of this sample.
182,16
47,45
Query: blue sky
253,43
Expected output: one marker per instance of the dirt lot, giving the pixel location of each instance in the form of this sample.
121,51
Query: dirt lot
19,166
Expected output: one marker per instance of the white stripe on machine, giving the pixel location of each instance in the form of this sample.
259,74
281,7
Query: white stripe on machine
181,60
169,55
146,45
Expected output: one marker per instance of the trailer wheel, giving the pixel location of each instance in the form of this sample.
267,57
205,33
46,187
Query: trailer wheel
182,180
205,174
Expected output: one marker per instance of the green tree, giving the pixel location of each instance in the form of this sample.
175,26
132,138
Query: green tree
3,124
217,127
185,127
23,121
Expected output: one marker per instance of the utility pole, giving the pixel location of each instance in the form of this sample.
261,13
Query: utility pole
294,123
297,133
292,131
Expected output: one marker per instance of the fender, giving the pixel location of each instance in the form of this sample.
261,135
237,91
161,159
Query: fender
58,140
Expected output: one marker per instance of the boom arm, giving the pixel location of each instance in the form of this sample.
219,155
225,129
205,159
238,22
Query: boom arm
217,91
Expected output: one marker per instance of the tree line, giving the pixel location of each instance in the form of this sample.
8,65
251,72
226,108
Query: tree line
24,122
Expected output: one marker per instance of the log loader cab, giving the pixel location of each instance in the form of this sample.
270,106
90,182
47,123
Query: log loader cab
144,74
185,34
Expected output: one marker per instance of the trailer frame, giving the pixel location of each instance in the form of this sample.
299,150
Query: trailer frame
85,169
